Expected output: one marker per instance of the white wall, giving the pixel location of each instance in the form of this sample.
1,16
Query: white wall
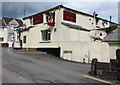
4,34
113,48
90,50
77,41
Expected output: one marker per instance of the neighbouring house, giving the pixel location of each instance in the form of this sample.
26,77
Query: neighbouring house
113,40
66,33
7,30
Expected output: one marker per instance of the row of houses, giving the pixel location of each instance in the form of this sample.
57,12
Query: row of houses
65,33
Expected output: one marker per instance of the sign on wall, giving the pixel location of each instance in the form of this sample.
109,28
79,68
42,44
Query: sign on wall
51,19
69,16
38,19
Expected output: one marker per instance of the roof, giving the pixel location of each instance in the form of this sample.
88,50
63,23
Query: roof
7,20
61,6
19,21
74,26
113,37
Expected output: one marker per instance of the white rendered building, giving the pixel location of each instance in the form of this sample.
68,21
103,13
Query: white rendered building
66,33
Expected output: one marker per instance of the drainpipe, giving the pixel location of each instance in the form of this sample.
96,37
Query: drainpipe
94,20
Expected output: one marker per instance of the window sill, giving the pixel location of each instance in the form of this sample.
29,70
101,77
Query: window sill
45,42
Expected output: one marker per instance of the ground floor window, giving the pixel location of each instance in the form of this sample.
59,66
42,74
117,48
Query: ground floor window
24,39
18,36
46,35
11,36
1,39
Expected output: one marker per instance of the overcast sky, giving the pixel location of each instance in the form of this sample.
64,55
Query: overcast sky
103,9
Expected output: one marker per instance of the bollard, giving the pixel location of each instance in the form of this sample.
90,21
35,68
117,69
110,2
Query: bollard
93,67
118,58
118,71
118,54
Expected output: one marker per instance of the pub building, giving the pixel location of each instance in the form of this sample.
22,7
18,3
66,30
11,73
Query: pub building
65,33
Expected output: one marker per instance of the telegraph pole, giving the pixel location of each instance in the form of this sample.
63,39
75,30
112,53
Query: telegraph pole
110,19
24,10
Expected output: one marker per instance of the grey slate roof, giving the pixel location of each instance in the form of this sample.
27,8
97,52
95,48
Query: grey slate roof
7,20
19,21
113,37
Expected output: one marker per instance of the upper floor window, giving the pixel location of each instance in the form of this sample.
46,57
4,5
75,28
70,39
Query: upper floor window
12,26
11,36
105,22
46,35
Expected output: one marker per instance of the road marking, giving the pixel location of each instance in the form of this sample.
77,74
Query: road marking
96,79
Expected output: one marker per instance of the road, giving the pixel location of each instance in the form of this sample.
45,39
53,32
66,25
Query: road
39,67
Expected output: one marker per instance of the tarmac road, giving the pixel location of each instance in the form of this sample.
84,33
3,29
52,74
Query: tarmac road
39,67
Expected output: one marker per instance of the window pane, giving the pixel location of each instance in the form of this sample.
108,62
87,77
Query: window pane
46,35
11,36
49,34
1,39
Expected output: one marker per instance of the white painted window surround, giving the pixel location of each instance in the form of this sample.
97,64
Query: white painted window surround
46,35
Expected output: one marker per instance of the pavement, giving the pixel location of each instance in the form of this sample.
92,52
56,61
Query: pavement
39,67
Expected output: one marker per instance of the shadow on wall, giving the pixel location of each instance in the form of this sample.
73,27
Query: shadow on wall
53,51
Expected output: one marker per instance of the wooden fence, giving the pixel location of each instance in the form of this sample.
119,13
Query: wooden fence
109,71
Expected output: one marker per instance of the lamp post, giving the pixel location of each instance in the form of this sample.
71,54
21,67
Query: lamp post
110,19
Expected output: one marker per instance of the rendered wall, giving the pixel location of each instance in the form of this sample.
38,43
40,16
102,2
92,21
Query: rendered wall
76,45
113,48
4,34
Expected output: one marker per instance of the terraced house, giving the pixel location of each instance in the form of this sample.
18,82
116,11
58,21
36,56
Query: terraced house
66,33
7,30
